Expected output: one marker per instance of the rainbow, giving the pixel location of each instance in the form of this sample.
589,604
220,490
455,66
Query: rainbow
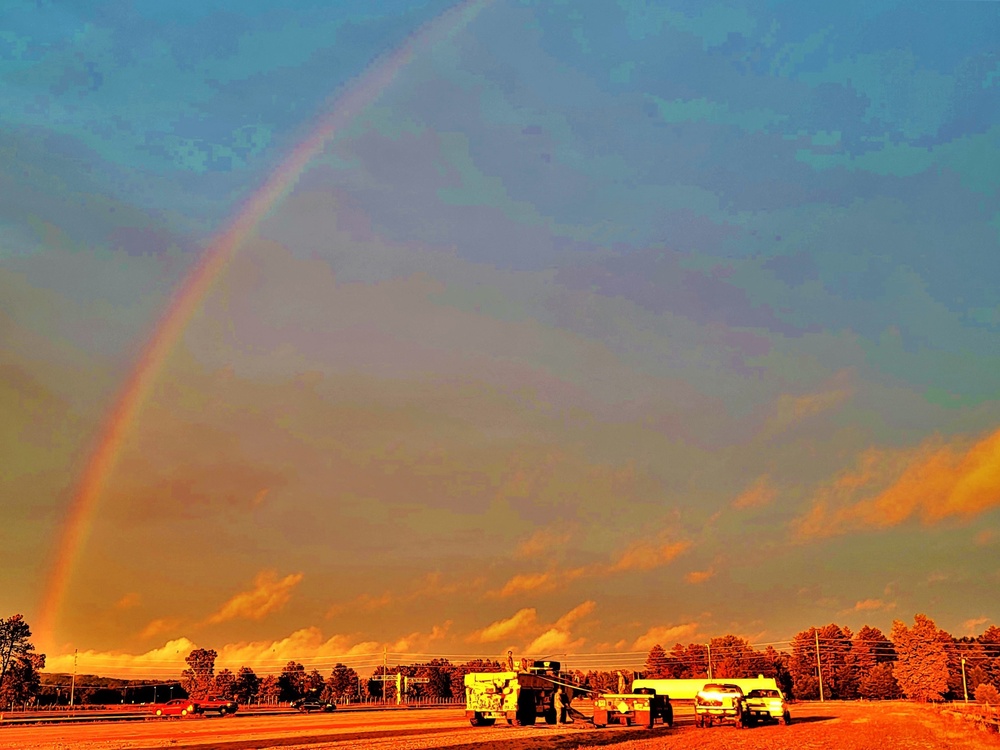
350,102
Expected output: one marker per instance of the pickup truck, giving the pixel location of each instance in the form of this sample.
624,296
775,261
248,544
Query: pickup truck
719,702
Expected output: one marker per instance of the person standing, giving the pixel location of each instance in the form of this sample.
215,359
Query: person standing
560,706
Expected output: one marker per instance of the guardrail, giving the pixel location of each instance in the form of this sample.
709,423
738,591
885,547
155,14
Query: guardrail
983,715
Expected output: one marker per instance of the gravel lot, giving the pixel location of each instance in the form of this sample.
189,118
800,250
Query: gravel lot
833,726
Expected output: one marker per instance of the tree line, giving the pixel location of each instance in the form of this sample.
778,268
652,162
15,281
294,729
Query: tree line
921,662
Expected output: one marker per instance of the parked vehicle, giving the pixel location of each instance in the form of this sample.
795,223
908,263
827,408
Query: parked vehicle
643,708
717,703
222,705
520,696
175,707
308,705
767,705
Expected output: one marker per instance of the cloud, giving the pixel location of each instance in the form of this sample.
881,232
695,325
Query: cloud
699,576
269,594
159,627
790,410
644,555
757,495
541,543
871,605
985,537
576,614
521,621
128,601
665,636
934,481
558,638
163,662
528,582
972,627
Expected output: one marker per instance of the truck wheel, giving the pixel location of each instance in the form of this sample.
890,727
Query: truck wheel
786,719
550,715
668,716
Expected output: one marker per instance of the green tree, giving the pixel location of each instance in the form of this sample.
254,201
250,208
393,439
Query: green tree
657,666
198,679
342,682
224,685
269,691
246,686
292,682
15,644
879,683
22,682
921,667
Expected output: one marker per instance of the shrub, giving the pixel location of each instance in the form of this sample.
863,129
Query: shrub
988,694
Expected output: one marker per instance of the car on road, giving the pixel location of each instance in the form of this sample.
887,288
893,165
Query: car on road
175,707
719,702
767,705
222,705
308,705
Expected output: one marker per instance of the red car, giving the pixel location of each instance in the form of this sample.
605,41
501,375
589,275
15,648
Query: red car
176,707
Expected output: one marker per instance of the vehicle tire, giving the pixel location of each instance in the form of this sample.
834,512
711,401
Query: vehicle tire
550,715
786,719
477,719
668,715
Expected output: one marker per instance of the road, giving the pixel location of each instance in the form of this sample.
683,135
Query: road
830,726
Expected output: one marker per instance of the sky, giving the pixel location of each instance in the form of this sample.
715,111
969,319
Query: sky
565,328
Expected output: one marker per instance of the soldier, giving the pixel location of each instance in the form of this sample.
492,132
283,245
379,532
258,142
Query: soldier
510,661
621,682
557,700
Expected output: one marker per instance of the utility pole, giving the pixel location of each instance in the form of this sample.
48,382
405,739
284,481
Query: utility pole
709,660
385,669
72,687
819,666
965,687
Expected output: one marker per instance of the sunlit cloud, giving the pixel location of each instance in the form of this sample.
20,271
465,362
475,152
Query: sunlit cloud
759,494
871,605
558,637
268,595
790,410
519,623
163,662
934,482
525,582
576,614
644,555
973,626
665,636
541,543
699,576
984,538
128,601
159,627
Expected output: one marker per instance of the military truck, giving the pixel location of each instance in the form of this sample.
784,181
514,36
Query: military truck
642,707
520,696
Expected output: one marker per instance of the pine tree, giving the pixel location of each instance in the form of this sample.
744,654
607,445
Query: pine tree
656,663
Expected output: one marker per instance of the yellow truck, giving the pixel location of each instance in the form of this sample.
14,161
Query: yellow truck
520,696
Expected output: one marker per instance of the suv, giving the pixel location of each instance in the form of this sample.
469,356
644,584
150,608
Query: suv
767,705
718,702
222,705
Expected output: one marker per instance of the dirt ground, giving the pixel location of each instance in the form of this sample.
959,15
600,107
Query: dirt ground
829,726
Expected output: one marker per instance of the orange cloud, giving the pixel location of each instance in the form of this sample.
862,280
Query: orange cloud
159,627
665,636
871,605
985,537
269,594
972,626
757,495
790,410
521,621
128,601
541,543
699,576
528,582
934,481
644,555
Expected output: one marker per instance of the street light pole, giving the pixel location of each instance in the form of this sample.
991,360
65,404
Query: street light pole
965,687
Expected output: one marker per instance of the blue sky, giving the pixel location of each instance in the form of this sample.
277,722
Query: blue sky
594,300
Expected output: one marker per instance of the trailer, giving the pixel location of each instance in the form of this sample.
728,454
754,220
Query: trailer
642,708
